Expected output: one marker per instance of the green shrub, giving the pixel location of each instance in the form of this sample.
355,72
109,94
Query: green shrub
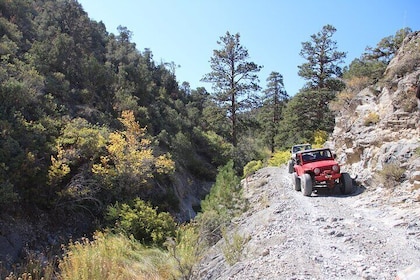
186,248
7,194
252,166
220,149
417,151
224,202
225,193
233,247
363,72
142,221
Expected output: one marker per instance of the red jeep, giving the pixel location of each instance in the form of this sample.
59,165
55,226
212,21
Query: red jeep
318,167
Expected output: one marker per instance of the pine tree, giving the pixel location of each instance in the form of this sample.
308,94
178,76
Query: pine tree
322,67
273,104
387,47
234,79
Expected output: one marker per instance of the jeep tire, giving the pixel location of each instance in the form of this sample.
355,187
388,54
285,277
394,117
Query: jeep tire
296,181
306,183
290,165
346,183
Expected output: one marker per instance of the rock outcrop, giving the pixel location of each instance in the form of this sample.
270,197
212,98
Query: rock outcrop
380,126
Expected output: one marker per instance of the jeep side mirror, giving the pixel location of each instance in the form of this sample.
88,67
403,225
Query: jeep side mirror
335,156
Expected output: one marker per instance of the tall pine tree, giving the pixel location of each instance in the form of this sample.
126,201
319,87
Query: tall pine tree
234,79
274,101
322,67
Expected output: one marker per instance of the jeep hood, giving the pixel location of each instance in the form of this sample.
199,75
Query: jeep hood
320,164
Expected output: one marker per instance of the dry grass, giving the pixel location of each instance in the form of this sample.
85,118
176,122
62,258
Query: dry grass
356,84
264,200
115,257
391,174
371,119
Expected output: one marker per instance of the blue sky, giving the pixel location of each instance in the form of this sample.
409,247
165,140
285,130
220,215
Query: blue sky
186,31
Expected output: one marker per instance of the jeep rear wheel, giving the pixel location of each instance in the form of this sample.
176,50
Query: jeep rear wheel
306,183
346,183
291,165
296,181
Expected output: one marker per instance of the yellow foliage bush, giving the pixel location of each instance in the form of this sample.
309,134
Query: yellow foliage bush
130,155
252,166
279,158
59,167
320,137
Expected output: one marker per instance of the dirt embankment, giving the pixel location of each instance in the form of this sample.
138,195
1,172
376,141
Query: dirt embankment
326,236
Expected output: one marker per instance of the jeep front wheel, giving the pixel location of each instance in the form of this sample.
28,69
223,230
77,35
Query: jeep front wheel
306,183
346,183
296,181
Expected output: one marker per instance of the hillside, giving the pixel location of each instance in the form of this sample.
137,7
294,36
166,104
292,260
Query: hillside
97,136
373,233
379,128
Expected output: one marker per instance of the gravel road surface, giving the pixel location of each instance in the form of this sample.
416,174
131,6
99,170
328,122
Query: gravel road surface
325,236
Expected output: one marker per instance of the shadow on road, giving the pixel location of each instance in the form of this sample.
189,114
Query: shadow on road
324,191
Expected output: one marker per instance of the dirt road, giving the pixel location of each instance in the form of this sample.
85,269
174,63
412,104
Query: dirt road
325,236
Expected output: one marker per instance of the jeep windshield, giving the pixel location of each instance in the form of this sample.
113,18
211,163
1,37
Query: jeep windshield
298,148
316,155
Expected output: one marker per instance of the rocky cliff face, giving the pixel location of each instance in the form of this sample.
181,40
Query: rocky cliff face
379,127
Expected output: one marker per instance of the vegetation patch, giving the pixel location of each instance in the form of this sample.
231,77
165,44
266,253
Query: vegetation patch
410,61
252,166
233,247
417,151
224,202
279,158
140,220
186,248
344,101
391,174
110,256
371,119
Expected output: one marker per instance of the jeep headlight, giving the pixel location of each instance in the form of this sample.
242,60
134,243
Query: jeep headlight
336,168
317,171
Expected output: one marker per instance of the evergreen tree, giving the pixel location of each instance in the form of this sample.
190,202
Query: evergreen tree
273,103
234,79
306,113
321,69
387,47
366,69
